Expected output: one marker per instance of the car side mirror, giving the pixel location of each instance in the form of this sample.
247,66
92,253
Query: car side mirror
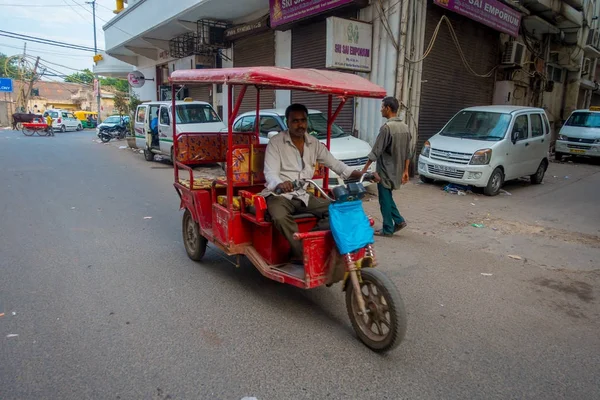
515,135
271,134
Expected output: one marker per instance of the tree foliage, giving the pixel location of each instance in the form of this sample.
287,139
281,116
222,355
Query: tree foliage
10,69
87,77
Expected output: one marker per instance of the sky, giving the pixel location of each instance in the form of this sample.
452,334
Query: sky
67,21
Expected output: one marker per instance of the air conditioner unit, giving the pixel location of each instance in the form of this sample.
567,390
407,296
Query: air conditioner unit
514,54
585,70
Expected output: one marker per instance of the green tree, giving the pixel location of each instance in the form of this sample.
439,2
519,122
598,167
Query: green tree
10,69
85,76
121,103
119,84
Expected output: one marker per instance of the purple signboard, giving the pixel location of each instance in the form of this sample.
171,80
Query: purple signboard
488,12
285,11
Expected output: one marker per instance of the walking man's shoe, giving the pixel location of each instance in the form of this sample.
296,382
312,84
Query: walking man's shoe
400,226
380,232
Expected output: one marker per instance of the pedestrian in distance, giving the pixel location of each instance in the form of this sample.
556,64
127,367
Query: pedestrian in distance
392,154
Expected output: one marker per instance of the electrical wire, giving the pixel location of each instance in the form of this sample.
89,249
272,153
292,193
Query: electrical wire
103,20
458,47
75,10
65,55
27,38
31,5
47,40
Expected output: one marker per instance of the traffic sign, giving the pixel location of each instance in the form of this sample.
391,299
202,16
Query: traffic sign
6,85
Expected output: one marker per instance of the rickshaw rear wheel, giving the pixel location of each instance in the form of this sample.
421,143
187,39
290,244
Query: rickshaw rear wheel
28,132
194,242
384,326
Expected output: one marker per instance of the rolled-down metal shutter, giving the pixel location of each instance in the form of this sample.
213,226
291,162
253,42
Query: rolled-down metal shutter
200,92
309,46
253,51
447,85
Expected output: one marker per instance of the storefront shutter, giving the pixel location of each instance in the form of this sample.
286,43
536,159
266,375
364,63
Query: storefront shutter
447,84
253,51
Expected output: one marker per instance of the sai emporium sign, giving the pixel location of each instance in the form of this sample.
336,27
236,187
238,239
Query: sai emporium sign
349,44
492,13
286,11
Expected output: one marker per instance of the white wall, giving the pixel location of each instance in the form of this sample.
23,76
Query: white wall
148,91
368,118
283,58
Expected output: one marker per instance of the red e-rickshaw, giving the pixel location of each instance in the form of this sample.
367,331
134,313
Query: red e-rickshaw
230,213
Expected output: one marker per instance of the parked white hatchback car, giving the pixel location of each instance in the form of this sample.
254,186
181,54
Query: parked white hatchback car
63,120
486,146
352,151
580,135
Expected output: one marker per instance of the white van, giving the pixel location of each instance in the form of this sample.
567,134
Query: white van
486,146
63,120
192,116
580,135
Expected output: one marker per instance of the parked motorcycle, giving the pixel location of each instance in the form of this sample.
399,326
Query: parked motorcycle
114,132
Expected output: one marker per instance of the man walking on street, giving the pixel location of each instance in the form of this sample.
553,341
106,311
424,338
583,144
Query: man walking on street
49,122
392,154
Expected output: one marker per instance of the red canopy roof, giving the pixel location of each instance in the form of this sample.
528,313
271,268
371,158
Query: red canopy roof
312,80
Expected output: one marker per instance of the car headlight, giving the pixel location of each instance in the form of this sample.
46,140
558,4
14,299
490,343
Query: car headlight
563,137
481,157
426,149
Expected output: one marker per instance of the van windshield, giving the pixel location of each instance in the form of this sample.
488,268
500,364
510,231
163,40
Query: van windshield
196,114
477,125
584,120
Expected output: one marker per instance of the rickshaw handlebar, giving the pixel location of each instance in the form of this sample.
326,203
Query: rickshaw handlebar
299,184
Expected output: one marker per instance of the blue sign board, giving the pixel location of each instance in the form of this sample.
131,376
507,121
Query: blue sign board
6,85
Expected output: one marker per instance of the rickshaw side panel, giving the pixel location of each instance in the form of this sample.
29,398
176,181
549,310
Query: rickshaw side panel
229,227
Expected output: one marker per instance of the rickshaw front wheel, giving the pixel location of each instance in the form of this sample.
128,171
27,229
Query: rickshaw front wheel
384,326
194,242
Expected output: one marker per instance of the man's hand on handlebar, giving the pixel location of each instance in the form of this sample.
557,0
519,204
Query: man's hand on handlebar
284,187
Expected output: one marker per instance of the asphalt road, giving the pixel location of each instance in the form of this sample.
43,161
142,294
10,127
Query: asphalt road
106,304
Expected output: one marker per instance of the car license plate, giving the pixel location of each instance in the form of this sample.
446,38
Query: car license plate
443,168
577,151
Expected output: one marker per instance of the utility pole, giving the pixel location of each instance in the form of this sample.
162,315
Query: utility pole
93,3
28,93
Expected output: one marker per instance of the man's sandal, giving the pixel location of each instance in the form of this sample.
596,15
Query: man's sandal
380,232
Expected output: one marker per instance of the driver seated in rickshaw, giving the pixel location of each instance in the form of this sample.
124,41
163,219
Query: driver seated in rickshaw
292,155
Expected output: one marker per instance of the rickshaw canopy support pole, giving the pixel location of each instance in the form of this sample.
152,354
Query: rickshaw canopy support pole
257,120
330,120
175,140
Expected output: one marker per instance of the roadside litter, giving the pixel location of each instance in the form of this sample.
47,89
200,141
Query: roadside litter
505,193
460,190
478,225
515,257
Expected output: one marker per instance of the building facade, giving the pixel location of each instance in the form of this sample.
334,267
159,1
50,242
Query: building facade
435,56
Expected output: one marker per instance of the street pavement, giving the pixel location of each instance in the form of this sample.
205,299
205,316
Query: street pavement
100,300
